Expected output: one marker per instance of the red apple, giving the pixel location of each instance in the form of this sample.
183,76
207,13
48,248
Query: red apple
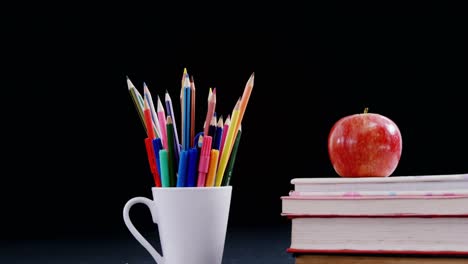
364,145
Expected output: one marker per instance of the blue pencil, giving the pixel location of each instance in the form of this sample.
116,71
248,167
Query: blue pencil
157,146
192,167
182,171
218,134
212,128
186,100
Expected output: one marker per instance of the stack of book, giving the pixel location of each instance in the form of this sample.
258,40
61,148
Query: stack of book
398,219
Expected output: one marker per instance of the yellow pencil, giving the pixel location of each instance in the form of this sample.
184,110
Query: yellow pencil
227,145
210,179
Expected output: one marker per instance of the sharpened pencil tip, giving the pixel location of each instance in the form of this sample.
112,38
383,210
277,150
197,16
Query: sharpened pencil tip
185,70
129,84
186,81
191,78
145,102
145,89
251,79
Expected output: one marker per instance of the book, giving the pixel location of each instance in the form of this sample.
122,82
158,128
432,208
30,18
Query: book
394,183
419,215
393,235
385,203
376,259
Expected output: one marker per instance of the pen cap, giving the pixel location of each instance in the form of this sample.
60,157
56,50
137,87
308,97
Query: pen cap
204,162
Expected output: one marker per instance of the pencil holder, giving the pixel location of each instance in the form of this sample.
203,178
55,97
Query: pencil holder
192,223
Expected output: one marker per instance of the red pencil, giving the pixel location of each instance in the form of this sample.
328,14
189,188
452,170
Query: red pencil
149,144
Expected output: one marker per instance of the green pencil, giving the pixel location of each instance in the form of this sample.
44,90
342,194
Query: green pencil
164,168
232,159
171,151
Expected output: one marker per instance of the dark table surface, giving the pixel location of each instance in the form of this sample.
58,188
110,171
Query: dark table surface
243,245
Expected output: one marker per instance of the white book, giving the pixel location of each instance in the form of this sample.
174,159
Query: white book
428,183
450,204
380,235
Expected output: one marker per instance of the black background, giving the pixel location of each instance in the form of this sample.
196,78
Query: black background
73,150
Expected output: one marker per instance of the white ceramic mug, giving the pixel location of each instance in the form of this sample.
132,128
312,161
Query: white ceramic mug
192,223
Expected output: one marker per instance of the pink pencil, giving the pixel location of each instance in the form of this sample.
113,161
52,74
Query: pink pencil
210,112
225,130
162,123
204,163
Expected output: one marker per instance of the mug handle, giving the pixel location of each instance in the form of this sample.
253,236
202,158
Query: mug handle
149,203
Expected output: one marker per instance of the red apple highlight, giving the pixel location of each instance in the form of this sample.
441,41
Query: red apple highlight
364,145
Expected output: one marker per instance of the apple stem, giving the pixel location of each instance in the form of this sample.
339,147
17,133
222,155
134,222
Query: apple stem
366,110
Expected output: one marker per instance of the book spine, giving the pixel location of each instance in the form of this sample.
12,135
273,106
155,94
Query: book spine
436,193
377,252
292,216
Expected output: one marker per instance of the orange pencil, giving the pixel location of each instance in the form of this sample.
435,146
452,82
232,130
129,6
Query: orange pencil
234,129
210,178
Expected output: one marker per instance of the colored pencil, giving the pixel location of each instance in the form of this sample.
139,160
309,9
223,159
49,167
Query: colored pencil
192,111
148,119
192,170
211,176
227,143
154,116
212,127
186,114
182,94
209,112
218,133
149,143
234,129
152,162
227,122
170,151
170,112
244,101
204,161
232,159
157,146
164,168
138,106
182,171
162,123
